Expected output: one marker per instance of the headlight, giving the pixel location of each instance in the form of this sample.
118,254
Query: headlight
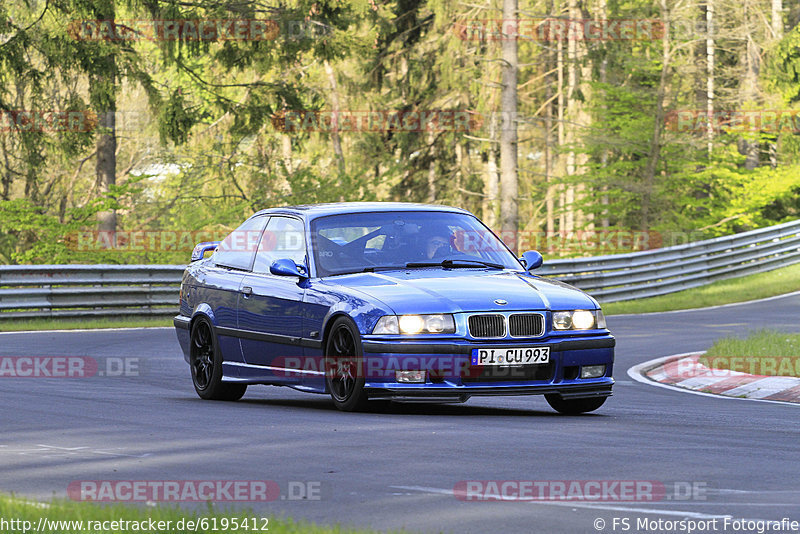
578,320
387,325
582,320
562,320
411,324
415,324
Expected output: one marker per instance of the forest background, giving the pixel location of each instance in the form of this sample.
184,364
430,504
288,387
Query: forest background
131,129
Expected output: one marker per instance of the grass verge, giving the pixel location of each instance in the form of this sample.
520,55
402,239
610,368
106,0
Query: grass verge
764,352
68,517
17,325
751,287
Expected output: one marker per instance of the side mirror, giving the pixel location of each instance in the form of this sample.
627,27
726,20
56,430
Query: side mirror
285,267
532,260
201,248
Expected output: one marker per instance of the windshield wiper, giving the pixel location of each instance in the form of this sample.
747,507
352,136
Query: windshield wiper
450,264
373,268
458,262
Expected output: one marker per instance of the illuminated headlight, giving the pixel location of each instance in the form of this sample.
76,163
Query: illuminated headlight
578,320
415,324
411,324
593,371
582,320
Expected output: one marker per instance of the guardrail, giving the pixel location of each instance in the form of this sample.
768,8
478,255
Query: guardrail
34,291
650,273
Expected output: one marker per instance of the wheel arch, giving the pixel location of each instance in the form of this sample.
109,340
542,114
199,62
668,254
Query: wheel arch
329,325
202,311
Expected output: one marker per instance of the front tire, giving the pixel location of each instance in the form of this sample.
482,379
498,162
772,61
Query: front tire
574,406
344,359
205,361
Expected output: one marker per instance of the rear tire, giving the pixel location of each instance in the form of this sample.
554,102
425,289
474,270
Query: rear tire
344,375
574,406
205,362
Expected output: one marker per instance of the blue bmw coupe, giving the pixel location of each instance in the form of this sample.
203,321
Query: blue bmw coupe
392,301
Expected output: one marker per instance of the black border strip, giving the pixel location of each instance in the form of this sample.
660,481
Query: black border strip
269,338
456,348
565,392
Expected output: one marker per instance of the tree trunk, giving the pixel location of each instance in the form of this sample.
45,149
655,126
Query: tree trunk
5,177
103,97
106,168
777,34
749,89
572,84
431,198
286,153
335,139
777,19
604,222
550,223
491,179
508,135
459,182
658,122
560,166
709,74
579,74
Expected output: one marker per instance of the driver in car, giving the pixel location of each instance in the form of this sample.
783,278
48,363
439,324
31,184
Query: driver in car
437,245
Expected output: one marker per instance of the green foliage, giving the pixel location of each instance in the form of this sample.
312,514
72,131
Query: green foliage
783,67
176,119
27,235
204,146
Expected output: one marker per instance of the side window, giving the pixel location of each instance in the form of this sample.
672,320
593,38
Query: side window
238,248
283,238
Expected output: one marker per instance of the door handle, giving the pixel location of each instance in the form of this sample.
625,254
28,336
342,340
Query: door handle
247,291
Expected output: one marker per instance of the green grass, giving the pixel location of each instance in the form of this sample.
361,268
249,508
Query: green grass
751,287
764,352
62,510
17,325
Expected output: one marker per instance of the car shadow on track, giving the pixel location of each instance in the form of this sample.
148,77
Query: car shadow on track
323,403
400,408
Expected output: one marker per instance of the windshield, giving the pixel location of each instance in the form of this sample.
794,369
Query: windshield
358,242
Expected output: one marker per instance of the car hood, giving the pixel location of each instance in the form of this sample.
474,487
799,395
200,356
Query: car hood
461,290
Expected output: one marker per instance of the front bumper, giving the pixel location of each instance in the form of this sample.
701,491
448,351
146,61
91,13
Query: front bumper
450,374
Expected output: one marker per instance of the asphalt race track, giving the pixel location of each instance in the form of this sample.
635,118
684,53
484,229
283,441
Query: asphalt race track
397,468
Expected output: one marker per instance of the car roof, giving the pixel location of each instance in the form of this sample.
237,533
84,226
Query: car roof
312,211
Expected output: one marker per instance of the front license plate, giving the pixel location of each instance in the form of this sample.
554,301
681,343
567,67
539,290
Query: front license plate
513,356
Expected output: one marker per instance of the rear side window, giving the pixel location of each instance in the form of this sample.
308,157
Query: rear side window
284,238
239,247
